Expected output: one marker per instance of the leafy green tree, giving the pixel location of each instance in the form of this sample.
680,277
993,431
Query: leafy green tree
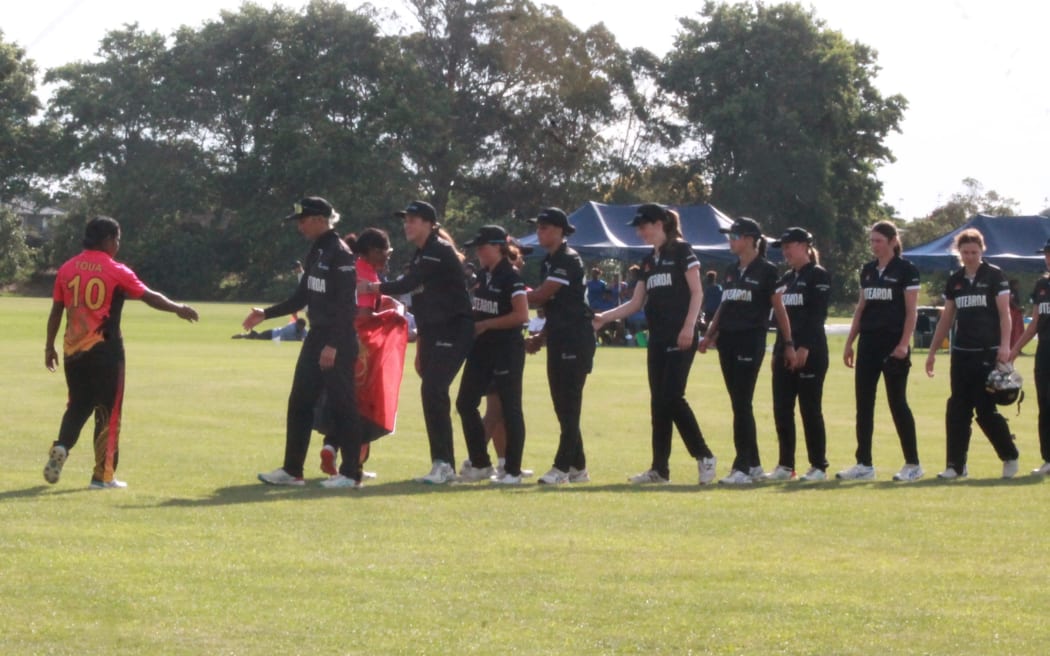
788,120
959,209
16,257
18,104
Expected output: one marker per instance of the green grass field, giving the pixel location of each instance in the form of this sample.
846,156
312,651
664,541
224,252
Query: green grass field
197,557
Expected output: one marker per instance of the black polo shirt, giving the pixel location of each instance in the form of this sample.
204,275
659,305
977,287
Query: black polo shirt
666,289
884,295
805,295
437,281
747,296
976,314
567,309
1041,298
493,297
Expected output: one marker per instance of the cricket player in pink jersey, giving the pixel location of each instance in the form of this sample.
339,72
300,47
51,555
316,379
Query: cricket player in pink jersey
90,290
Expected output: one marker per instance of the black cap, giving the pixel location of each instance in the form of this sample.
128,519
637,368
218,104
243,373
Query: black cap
1045,248
793,235
489,234
555,217
648,213
310,206
421,209
743,226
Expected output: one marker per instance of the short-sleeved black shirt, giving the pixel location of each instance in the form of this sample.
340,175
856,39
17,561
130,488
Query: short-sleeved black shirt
1041,298
437,282
567,310
666,289
884,295
493,297
976,314
805,296
747,296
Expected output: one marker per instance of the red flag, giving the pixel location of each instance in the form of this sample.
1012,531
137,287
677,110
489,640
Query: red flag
382,339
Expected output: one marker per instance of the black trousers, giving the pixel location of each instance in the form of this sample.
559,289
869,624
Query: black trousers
668,375
499,365
1042,395
969,371
442,350
568,364
95,381
308,382
807,386
740,355
873,349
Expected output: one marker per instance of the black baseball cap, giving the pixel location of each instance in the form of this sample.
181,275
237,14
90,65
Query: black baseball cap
1045,248
489,234
310,206
648,213
422,209
555,217
793,235
743,226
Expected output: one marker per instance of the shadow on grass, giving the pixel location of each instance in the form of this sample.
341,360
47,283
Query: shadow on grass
933,481
37,491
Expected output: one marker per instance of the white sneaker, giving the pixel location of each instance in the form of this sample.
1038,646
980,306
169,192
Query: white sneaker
736,477
465,466
949,473
554,477
857,472
757,473
281,477
1010,468
341,481
909,473
440,474
56,457
506,479
706,467
472,474
650,476
814,474
367,474
1042,471
781,473
107,485
527,473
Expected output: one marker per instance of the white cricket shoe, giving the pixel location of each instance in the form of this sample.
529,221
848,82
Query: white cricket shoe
781,473
857,472
736,477
1044,470
107,485
56,457
579,475
506,479
706,467
814,474
650,476
757,474
1010,468
440,473
950,474
341,481
472,474
554,477
909,473
281,477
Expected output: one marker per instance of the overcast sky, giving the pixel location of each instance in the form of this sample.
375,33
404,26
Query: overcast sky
975,74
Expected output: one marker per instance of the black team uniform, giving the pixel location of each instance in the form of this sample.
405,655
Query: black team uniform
496,360
974,351
805,296
328,288
745,308
445,324
570,352
881,329
666,307
1041,298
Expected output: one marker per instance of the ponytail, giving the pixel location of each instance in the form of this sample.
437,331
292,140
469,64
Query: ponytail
814,254
447,237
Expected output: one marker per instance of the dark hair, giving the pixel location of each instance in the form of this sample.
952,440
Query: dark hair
98,230
711,277
814,254
672,225
370,239
889,231
447,237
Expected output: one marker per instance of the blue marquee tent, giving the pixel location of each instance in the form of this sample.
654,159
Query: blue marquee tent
1010,243
602,232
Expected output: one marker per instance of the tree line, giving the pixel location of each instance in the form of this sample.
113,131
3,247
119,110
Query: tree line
198,141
